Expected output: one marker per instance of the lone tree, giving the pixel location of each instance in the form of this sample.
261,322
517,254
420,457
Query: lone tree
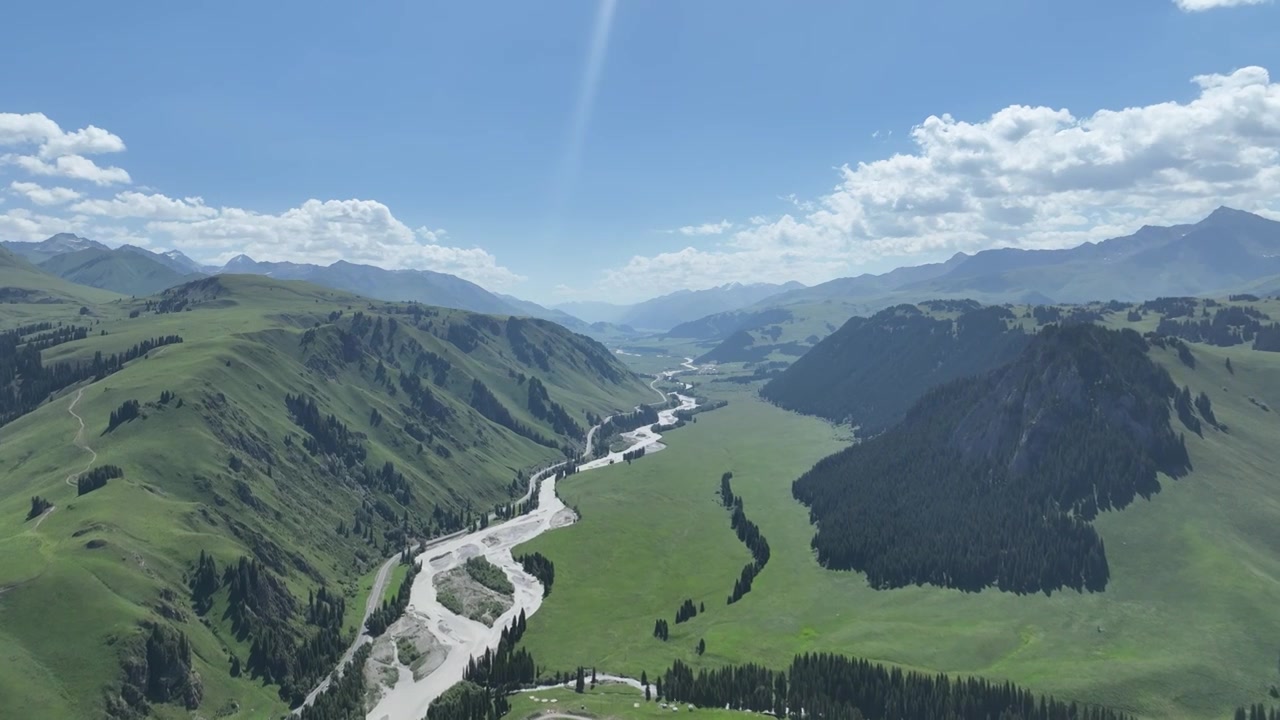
581,685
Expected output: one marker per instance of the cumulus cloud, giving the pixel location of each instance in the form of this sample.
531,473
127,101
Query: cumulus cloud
1202,5
75,167
39,195
1033,177
23,225
706,228
60,153
139,205
359,231
362,231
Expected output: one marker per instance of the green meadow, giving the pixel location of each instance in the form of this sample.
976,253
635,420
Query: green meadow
1187,628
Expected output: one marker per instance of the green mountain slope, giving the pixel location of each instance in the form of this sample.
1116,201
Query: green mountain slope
122,271
23,285
307,430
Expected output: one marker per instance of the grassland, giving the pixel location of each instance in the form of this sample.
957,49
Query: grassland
607,702
68,607
1188,627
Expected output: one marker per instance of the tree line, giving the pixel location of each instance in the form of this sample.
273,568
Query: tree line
835,687
750,535
26,382
1228,326
391,610
967,492
128,410
326,434
263,611
488,405
506,667
344,698
96,478
544,408
618,424
541,567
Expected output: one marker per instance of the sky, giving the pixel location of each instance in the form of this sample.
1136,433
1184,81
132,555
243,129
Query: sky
620,149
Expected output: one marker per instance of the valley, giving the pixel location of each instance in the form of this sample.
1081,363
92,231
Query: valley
1038,494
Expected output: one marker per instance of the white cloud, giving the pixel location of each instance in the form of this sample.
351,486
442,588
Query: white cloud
706,228
26,226
37,129
86,141
362,231
60,153
358,231
1202,5
139,205
40,195
1026,176
76,167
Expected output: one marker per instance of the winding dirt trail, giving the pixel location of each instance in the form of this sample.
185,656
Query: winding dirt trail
79,442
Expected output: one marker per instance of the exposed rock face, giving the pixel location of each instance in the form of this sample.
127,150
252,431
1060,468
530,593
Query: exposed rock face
157,670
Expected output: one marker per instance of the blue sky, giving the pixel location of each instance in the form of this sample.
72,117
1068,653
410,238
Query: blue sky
440,135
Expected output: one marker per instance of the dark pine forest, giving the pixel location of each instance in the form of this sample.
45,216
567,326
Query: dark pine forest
993,480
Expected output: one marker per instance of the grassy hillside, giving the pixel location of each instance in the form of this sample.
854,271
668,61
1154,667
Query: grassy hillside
1186,627
222,466
122,271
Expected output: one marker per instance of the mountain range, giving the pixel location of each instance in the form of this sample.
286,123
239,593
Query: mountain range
1228,251
667,311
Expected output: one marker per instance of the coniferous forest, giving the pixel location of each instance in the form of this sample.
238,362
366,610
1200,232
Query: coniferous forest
749,533
541,567
871,370
834,686
25,381
96,478
993,480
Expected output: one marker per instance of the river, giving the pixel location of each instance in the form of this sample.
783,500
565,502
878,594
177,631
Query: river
463,638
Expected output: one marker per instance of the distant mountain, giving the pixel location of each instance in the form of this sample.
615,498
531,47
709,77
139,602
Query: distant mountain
594,312
871,370
173,259
1228,251
38,252
424,286
663,313
126,270
533,309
